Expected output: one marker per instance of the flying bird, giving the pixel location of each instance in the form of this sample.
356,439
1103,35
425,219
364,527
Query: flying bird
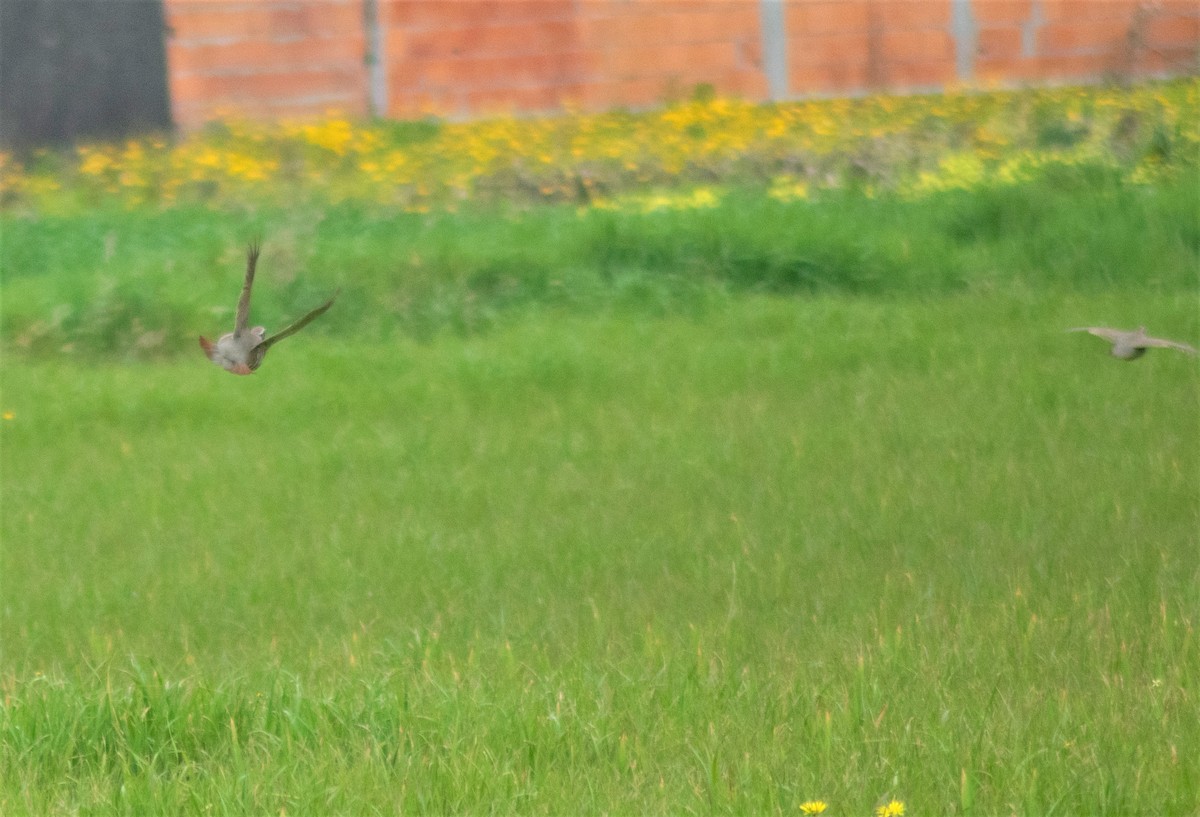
242,350
1132,344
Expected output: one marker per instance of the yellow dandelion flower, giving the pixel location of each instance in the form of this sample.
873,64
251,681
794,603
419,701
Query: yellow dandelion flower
785,188
8,415
95,163
701,197
893,809
813,807
333,135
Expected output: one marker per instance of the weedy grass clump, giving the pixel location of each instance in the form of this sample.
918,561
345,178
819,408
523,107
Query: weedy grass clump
143,284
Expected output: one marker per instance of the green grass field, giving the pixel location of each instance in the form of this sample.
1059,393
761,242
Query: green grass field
718,511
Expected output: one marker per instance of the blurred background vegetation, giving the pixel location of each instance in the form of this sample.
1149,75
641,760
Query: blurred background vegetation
130,248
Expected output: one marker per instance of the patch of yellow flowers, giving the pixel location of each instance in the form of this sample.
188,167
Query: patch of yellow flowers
893,808
680,157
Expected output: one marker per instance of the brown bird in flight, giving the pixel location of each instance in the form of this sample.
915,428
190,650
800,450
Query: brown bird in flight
242,350
1132,344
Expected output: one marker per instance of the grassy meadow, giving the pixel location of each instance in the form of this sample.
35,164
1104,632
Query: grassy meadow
777,489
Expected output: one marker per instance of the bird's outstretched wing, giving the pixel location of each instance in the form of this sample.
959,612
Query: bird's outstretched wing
1111,335
298,325
243,308
1163,343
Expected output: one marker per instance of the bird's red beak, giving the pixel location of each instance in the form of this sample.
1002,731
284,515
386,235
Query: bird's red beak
207,346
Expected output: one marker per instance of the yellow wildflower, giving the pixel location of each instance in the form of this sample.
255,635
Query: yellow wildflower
334,135
786,188
94,162
813,807
893,809
957,141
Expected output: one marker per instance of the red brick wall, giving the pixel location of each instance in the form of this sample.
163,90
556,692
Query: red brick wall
471,56
264,58
461,58
464,57
837,46
1086,39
